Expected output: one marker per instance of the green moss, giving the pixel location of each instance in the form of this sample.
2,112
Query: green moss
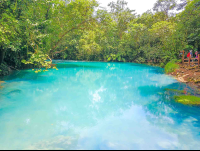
175,90
188,99
171,67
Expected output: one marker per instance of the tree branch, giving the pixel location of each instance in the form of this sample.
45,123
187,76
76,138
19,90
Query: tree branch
59,51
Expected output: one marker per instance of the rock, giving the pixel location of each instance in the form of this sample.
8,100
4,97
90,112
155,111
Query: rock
57,143
181,79
17,91
185,75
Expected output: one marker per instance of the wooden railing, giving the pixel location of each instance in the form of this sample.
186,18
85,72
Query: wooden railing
196,60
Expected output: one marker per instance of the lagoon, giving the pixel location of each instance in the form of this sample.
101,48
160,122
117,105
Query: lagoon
95,105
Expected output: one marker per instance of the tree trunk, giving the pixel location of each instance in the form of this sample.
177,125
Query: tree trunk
2,54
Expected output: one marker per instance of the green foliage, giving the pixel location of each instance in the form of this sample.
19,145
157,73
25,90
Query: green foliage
164,6
39,60
4,69
187,99
171,67
38,31
175,61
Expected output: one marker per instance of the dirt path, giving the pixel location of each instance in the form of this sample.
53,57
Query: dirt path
189,75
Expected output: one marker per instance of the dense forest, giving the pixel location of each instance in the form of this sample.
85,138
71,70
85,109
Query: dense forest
34,32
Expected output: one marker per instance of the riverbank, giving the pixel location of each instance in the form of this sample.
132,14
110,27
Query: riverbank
4,70
187,74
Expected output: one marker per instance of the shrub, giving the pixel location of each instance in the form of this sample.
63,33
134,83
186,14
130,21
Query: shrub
171,67
162,65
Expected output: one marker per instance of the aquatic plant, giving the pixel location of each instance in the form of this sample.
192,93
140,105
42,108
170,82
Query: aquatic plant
187,99
175,90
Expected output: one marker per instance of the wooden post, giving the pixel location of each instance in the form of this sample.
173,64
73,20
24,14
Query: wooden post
189,60
183,57
198,59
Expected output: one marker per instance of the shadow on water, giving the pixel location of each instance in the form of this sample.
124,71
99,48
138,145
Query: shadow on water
151,89
31,75
157,71
139,65
23,75
152,69
61,65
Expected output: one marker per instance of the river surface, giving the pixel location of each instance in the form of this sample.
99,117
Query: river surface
94,105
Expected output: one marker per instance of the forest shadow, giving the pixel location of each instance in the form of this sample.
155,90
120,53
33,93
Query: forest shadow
22,75
25,75
151,69
59,65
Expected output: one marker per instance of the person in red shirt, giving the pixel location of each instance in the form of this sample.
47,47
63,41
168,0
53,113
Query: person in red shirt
189,54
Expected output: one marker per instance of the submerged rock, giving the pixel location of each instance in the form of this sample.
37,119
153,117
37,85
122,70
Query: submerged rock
58,143
188,99
14,92
1,83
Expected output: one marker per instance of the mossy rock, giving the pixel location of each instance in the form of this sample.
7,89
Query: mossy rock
175,90
188,99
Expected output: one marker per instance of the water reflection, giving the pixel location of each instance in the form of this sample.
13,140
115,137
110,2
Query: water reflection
113,106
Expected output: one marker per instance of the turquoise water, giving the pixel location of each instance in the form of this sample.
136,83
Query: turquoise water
95,106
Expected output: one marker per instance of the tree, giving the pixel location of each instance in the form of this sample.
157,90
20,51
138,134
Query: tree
8,28
65,19
182,4
189,23
122,15
165,6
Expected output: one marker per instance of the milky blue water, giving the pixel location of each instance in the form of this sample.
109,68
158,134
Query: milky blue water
95,106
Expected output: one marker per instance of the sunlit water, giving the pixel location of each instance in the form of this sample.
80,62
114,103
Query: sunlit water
95,106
